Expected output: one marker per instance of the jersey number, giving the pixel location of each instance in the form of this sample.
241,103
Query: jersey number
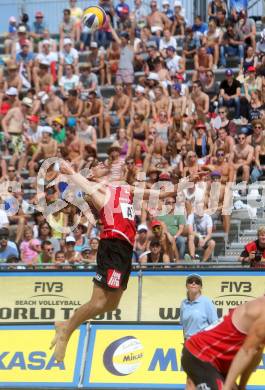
127,211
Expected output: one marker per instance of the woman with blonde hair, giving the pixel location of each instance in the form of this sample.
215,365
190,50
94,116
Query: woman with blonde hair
259,168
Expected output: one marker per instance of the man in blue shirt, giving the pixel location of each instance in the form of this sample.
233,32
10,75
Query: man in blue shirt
7,248
38,27
196,311
199,28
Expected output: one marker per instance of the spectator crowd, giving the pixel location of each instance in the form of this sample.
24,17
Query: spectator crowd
173,100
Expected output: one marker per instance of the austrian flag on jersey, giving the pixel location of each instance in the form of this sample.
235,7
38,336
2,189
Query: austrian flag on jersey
113,278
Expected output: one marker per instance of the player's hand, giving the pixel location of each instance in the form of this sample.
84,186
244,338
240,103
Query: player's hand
252,255
66,168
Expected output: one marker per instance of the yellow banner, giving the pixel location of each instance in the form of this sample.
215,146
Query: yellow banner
25,357
143,355
48,297
162,295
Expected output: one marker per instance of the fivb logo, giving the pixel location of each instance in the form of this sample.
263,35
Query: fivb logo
113,278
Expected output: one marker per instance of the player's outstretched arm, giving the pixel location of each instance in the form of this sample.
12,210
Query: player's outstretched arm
247,355
96,191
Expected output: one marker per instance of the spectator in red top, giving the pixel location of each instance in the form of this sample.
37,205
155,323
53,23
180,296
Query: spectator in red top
254,252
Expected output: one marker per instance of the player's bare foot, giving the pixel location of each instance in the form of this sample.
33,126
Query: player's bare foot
60,341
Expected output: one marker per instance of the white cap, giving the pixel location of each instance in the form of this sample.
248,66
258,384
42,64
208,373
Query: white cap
46,42
139,88
165,2
22,29
12,19
27,102
142,226
70,239
12,91
44,62
177,3
94,45
153,76
47,129
67,41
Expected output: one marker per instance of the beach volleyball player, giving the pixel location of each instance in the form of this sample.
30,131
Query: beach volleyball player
216,357
114,205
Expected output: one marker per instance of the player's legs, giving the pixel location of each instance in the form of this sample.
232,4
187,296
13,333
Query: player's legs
101,302
202,374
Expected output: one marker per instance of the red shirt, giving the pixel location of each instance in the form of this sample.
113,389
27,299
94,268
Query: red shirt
118,216
218,344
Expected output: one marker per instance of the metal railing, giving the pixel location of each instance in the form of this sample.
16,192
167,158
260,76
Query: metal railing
180,265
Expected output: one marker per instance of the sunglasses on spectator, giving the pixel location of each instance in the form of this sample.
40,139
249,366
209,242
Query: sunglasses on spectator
241,138
4,237
196,281
220,154
258,127
170,203
130,163
156,228
152,132
221,112
11,170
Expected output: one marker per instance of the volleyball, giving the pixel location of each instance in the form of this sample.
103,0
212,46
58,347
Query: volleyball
94,17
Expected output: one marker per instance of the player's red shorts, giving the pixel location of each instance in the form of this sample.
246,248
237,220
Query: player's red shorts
114,263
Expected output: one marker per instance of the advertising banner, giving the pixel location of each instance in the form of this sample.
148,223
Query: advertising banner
134,356
141,356
26,361
47,297
163,293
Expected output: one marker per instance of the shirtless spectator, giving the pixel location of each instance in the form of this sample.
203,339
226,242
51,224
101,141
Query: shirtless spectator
13,127
94,113
73,106
97,60
203,62
32,137
242,157
155,148
157,18
73,146
12,78
54,106
179,102
200,100
140,104
161,103
118,109
42,77
47,148
224,141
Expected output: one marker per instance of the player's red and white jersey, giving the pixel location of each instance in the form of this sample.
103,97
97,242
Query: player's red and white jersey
218,344
118,215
